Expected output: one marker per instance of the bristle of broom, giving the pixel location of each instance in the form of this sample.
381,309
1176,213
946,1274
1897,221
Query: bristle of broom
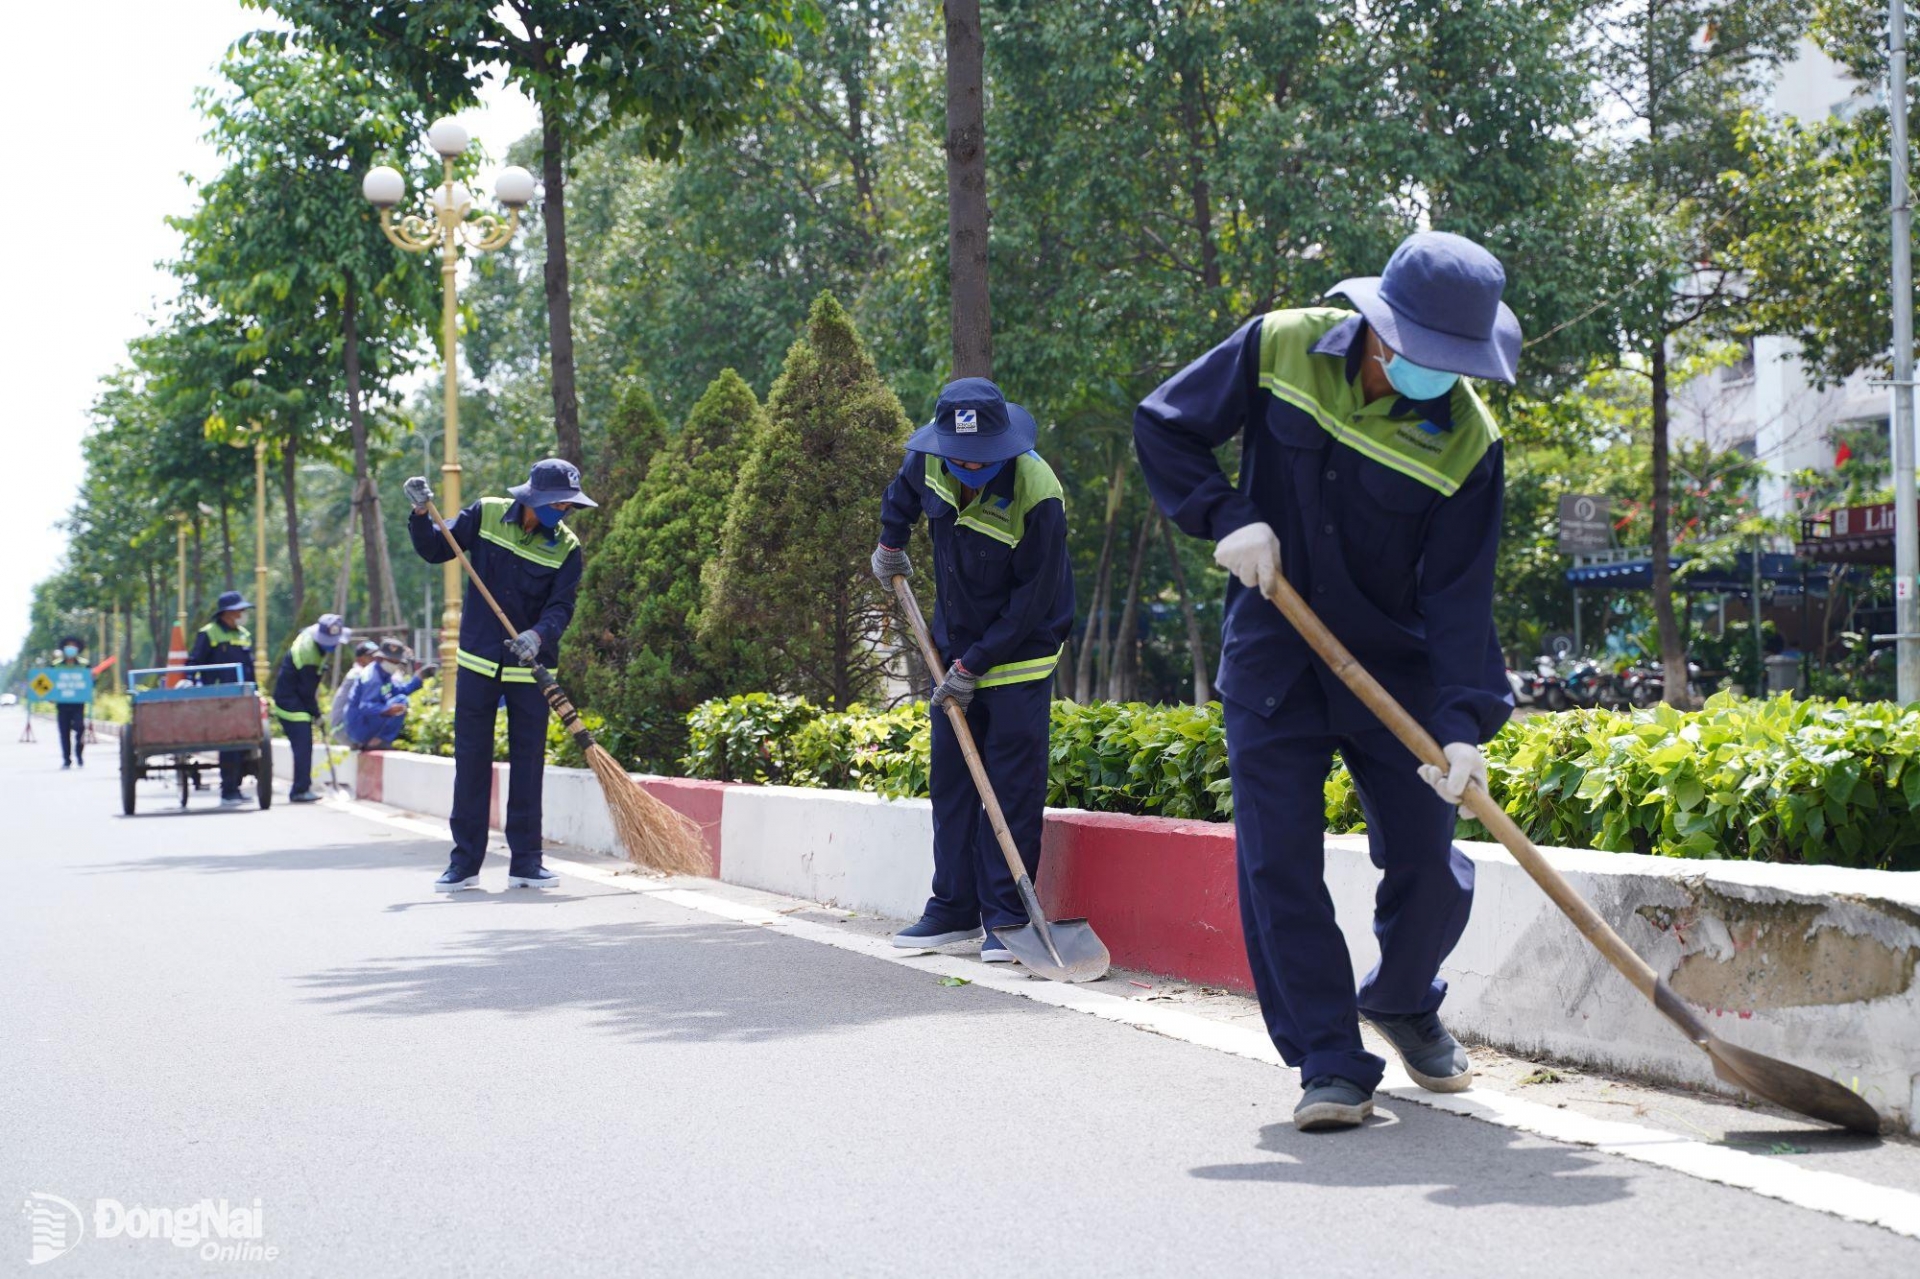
656,837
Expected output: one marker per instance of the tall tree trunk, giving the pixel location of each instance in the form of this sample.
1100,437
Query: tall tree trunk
1097,604
196,601
553,215
1130,611
967,192
1673,649
226,543
1196,644
290,499
387,582
1199,189
362,479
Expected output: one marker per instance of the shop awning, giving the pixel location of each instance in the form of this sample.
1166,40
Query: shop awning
1849,535
1722,579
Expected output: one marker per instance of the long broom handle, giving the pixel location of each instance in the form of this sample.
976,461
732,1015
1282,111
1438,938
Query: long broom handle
1416,739
433,513
958,718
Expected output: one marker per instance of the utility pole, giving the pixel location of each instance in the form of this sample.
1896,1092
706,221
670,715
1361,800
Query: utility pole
1906,511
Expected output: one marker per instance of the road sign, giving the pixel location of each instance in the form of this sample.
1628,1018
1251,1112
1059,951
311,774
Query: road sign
61,684
1586,523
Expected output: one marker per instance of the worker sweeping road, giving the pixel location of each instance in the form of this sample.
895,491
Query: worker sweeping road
1370,476
296,696
1003,607
225,640
527,556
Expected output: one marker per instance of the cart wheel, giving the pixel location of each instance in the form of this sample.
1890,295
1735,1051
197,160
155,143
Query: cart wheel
129,770
263,773
186,779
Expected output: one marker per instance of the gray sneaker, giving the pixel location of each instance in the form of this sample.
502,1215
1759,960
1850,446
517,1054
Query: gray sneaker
1434,1058
1331,1103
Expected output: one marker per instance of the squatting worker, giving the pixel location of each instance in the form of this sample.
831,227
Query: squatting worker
223,641
1370,475
530,560
296,696
71,717
366,656
378,699
1003,606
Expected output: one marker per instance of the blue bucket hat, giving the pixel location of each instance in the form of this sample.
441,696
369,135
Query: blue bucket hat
1438,303
329,631
553,480
230,602
974,423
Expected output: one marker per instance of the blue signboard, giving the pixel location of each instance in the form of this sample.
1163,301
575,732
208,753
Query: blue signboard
61,684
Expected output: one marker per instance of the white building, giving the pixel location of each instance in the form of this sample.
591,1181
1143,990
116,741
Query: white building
1765,406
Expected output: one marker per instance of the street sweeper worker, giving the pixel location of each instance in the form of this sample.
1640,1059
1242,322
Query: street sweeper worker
1370,475
378,699
522,549
1003,607
225,640
296,696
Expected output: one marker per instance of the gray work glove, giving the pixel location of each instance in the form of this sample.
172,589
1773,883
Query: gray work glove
419,493
888,564
957,688
525,646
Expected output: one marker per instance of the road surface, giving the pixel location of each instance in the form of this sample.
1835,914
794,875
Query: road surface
272,1008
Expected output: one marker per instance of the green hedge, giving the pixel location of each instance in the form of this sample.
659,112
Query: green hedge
1816,782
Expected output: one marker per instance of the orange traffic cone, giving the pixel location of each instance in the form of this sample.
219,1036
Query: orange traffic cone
177,654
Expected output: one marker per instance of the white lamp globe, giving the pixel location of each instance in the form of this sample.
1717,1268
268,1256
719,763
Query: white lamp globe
447,136
462,198
383,186
514,187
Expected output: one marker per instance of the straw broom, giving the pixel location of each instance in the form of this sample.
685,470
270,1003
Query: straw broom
656,837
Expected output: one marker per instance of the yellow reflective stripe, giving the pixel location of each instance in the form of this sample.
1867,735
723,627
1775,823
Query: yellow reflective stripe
1022,672
516,675
528,546
298,717
1359,442
980,526
493,670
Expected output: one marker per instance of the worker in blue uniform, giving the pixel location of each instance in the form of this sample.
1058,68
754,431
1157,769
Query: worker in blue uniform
1370,476
225,640
530,560
1003,606
377,701
296,696
71,717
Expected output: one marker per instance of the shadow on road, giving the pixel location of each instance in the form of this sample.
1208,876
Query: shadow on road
371,855
648,981
1457,1162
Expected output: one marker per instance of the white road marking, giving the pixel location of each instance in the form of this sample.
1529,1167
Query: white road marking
1834,1194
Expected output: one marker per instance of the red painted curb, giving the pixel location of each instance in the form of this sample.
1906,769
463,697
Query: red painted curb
369,776
1161,892
699,799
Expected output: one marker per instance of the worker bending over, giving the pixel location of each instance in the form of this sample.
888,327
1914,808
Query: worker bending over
296,696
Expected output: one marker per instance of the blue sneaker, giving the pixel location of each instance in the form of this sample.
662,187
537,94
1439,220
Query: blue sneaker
1434,1058
542,878
929,932
454,882
1330,1103
303,797
994,951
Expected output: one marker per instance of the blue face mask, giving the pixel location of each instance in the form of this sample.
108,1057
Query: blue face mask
71,651
974,479
549,516
1416,381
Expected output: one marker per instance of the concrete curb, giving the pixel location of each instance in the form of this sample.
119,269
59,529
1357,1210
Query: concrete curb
1813,964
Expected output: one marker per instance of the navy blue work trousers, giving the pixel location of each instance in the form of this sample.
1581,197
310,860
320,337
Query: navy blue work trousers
300,737
1301,968
72,717
971,882
476,702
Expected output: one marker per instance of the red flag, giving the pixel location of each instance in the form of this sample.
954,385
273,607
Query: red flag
1842,455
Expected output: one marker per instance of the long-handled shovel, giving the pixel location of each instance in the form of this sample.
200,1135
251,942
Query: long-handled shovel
1064,950
654,835
1776,1081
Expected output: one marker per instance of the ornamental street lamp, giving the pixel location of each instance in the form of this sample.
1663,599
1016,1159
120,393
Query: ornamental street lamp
451,223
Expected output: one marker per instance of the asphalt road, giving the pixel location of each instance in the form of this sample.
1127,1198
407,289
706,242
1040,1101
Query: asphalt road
274,1007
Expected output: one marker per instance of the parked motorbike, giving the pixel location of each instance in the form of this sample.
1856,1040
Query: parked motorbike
1540,686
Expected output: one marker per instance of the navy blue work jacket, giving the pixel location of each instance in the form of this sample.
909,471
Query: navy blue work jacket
1003,584
1388,516
535,576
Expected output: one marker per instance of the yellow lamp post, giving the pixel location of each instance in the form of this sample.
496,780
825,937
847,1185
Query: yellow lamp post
259,560
180,547
453,225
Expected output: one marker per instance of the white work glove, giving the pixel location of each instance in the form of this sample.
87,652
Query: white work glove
1465,764
525,646
419,493
1252,554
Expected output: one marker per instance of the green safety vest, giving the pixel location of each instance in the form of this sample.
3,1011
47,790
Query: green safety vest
528,546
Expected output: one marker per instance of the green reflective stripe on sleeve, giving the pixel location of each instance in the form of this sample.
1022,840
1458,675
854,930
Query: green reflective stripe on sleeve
493,670
298,717
528,546
1019,672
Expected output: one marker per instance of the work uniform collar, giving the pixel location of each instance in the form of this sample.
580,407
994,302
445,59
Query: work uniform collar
1347,341
513,517
1000,485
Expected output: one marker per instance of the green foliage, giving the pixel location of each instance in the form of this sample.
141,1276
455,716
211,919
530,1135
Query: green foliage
636,431
1125,757
792,580
746,737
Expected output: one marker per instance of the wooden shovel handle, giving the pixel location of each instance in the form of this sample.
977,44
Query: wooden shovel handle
1477,801
958,718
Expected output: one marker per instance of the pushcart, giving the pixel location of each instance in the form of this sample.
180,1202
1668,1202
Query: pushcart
176,721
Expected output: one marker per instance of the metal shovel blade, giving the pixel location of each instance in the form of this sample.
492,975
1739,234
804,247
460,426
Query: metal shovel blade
1788,1085
1075,954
